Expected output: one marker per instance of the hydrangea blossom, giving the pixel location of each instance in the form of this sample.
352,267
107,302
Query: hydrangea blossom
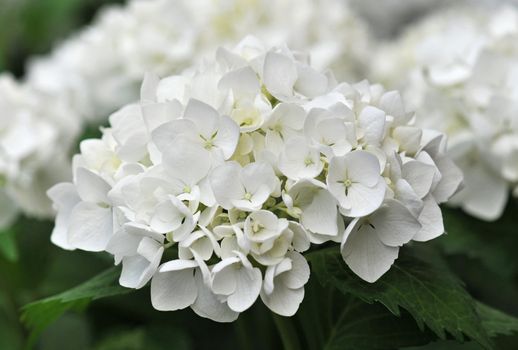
214,185
100,69
459,69
36,135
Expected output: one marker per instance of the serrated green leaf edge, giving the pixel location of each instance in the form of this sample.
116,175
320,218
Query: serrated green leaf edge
496,322
376,292
39,314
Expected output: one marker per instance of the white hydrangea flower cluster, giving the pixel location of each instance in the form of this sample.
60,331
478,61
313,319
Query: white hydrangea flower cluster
230,171
100,69
459,69
36,135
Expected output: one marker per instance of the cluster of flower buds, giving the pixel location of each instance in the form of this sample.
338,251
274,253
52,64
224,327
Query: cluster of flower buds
215,183
459,69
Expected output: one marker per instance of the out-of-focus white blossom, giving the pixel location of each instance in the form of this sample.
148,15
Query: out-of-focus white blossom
232,169
36,135
100,69
459,70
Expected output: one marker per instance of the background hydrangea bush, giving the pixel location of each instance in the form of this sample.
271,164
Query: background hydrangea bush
468,87
263,184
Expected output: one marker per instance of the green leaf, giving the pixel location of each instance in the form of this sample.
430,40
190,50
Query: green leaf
71,329
8,246
372,327
39,314
423,286
497,322
331,320
493,243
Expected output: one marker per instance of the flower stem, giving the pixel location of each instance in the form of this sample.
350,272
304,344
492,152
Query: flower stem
289,338
242,335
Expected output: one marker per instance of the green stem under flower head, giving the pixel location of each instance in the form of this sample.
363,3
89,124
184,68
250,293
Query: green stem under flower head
287,332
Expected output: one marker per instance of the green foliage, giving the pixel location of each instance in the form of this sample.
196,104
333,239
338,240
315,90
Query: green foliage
73,329
332,320
496,322
372,327
36,26
8,248
421,285
39,314
145,338
493,243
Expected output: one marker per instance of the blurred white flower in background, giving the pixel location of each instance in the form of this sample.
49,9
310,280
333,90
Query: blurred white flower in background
233,168
36,139
459,70
99,69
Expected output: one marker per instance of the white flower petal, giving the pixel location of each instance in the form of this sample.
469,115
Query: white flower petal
392,103
372,122
301,241
320,216
283,301
208,305
311,83
394,223
485,194
164,136
419,175
122,244
362,167
255,175
173,287
406,195
91,187
91,227
65,197
279,75
248,287
364,200
431,221
365,254
204,117
242,81
298,276
226,185
227,137
450,182
224,276
137,270
299,161
187,161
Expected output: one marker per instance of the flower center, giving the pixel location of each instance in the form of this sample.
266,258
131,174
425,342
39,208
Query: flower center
247,122
208,144
256,227
308,161
248,196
